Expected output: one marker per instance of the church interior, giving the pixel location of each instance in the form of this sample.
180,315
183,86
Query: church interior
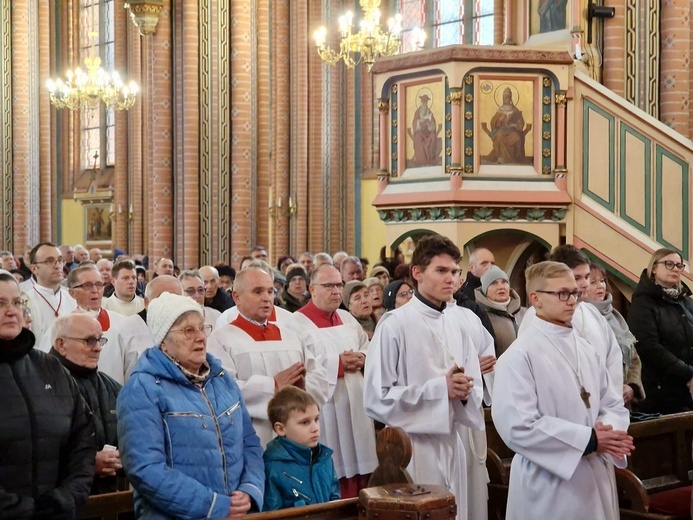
198,130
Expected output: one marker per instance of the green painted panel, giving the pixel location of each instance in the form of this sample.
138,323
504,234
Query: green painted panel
589,109
645,227
664,200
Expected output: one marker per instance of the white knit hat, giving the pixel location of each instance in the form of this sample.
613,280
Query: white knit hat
163,312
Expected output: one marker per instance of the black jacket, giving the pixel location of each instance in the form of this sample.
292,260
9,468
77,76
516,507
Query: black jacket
291,303
47,445
665,346
100,393
471,283
221,301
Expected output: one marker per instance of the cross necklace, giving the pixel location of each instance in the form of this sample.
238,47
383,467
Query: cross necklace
584,394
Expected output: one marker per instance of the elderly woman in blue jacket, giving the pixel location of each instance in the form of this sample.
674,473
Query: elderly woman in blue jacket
186,441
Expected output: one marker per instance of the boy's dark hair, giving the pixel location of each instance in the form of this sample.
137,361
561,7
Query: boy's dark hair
431,246
122,264
285,401
569,255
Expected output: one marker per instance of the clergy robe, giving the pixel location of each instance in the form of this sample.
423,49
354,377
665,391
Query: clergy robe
130,338
344,425
130,308
540,415
474,441
280,316
44,304
253,357
413,349
592,326
211,316
107,319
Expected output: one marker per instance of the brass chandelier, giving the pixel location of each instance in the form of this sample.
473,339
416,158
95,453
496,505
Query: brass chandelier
89,89
368,44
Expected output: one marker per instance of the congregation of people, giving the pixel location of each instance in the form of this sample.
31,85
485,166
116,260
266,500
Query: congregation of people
218,392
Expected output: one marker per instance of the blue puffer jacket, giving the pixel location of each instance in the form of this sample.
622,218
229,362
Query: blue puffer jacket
170,432
295,478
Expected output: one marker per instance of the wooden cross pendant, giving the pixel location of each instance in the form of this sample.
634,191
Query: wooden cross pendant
585,396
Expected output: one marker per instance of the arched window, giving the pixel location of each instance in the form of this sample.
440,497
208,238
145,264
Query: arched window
447,22
97,36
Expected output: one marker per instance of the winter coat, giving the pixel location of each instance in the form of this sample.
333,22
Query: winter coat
665,345
47,436
505,319
186,448
100,393
290,302
296,477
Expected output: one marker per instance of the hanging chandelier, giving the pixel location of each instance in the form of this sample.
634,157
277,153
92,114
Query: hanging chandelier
91,88
368,44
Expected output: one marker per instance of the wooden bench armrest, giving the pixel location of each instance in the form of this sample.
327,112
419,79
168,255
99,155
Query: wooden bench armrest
627,514
335,510
497,472
632,488
108,506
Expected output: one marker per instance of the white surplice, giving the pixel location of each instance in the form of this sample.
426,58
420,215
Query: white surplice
253,364
592,326
283,316
114,318
127,309
540,415
128,340
43,305
412,350
211,316
344,425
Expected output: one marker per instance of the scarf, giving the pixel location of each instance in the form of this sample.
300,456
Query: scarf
196,379
624,337
13,349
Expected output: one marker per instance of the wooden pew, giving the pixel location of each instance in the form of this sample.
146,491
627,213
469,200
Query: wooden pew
109,506
661,462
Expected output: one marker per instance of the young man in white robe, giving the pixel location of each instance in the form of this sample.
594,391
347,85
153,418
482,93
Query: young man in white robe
131,336
423,375
555,407
587,320
264,357
339,343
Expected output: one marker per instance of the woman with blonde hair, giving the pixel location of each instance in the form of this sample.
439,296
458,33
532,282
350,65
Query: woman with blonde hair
661,319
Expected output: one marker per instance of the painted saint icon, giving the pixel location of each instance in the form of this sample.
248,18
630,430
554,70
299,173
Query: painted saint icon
507,131
425,132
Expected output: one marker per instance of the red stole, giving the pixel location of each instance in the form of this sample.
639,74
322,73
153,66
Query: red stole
269,332
321,319
104,320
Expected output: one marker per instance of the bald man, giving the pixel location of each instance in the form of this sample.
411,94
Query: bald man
131,337
215,297
480,261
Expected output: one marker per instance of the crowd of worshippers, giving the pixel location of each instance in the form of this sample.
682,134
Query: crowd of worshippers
217,392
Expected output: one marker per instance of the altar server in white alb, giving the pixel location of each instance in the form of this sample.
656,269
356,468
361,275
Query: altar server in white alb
339,343
423,375
264,357
555,407
587,321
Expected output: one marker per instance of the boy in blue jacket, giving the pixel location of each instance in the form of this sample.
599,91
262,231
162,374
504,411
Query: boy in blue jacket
298,469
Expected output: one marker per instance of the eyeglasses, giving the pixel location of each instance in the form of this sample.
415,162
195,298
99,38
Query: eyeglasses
191,332
563,296
331,286
672,265
88,286
51,261
18,304
92,341
191,291
402,294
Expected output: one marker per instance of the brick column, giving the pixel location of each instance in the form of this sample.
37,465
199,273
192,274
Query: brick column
613,69
48,230
675,72
157,140
6,169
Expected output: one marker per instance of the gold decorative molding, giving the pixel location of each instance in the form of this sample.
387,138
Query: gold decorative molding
384,106
469,79
468,115
546,100
561,98
469,133
6,126
145,14
456,97
546,118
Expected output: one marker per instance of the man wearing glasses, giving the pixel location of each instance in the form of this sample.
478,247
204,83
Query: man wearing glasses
48,299
339,343
554,406
263,357
194,287
587,320
85,285
77,342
